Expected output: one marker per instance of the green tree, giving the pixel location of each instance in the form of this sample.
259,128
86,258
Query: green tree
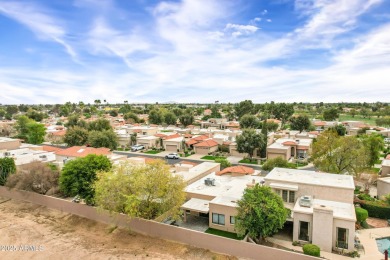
249,141
339,154
282,111
249,121
224,162
21,126
76,136
131,117
330,114
12,109
73,120
340,129
78,176
156,117
99,125
144,191
35,133
170,118
300,123
2,113
7,167
114,113
264,131
186,119
106,138
243,108
35,115
374,145
261,213
279,162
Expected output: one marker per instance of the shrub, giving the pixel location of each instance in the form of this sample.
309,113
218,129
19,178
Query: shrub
361,215
224,162
387,198
277,162
376,209
364,196
310,249
295,243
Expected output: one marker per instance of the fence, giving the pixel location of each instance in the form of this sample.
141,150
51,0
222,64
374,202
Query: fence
155,229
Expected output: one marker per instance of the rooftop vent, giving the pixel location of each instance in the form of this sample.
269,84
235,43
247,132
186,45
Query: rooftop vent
305,201
209,182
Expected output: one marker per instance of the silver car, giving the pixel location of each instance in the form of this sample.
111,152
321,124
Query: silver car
172,156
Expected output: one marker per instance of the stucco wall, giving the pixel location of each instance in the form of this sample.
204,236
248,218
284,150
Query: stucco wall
10,145
225,210
385,171
194,238
302,217
322,228
350,225
383,187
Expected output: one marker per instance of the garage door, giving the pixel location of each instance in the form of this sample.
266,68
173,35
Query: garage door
171,148
202,150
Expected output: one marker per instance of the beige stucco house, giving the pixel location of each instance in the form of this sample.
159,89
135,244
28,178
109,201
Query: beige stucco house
385,169
206,146
174,144
9,143
288,148
383,187
149,141
322,206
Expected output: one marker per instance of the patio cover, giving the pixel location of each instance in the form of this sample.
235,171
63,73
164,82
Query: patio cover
283,186
196,205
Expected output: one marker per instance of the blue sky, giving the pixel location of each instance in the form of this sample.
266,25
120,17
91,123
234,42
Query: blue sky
194,51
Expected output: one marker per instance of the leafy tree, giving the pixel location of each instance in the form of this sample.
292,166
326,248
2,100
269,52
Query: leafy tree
243,108
145,191
374,145
264,131
186,119
249,141
21,126
177,111
155,117
352,112
224,162
339,154
64,110
277,162
271,126
114,113
215,112
78,176
330,114
361,215
2,113
37,116
7,167
36,133
36,177
340,129
300,123
76,136
261,213
249,121
99,125
282,111
106,138
125,109
131,117
73,120
12,109
170,118
385,121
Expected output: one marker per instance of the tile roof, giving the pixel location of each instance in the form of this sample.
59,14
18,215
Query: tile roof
206,143
172,136
237,169
59,133
82,151
49,148
288,143
319,123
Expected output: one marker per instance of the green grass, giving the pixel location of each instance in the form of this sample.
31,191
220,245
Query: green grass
344,117
166,131
212,158
222,233
246,160
376,169
153,152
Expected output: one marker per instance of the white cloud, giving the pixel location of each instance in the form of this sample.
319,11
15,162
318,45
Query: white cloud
240,29
38,21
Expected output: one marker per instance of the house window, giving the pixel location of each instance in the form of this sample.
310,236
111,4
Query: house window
291,196
342,238
232,220
287,195
218,219
303,231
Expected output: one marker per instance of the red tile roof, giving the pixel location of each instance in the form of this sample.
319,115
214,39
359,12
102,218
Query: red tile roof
191,142
243,170
172,136
59,133
188,135
207,143
289,143
319,123
82,151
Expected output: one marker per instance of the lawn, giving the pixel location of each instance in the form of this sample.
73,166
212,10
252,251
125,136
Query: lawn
246,160
345,117
153,152
222,233
165,131
212,158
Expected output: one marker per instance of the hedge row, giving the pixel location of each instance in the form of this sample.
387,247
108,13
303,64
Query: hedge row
376,210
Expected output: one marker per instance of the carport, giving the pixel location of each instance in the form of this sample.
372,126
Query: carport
199,206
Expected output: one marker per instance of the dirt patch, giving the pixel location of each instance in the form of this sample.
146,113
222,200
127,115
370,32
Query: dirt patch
377,222
36,232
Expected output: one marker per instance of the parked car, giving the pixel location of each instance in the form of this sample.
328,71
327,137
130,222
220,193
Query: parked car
137,147
172,156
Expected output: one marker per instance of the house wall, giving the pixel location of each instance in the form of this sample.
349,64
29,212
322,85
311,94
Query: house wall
149,143
385,171
383,188
350,225
274,153
227,211
194,238
302,217
205,150
172,143
191,195
10,145
319,192
322,228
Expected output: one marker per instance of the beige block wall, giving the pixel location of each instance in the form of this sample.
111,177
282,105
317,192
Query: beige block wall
302,217
383,188
227,211
10,145
274,152
319,192
322,228
385,171
350,225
